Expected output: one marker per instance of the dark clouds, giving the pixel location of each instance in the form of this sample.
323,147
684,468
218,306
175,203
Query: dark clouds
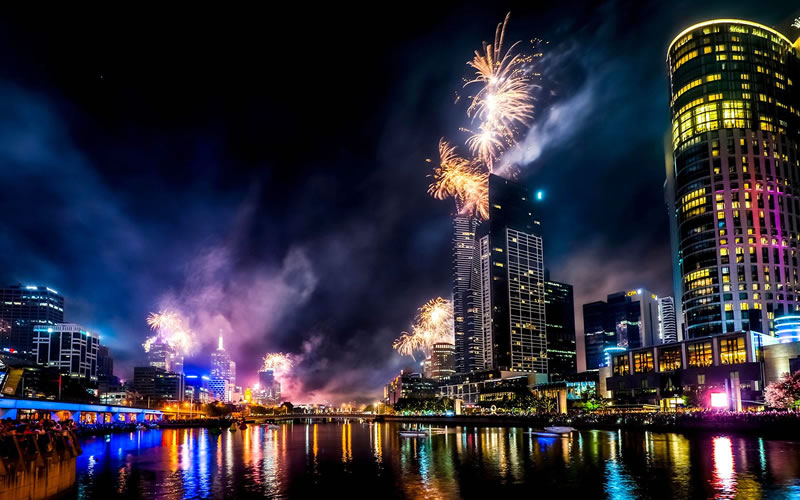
267,175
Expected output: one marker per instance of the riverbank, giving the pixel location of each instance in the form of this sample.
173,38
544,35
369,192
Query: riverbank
784,425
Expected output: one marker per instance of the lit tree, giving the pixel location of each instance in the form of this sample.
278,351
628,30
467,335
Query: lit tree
784,393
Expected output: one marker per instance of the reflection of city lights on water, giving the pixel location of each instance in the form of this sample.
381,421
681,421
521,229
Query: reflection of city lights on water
724,475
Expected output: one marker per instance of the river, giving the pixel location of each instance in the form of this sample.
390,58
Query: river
361,460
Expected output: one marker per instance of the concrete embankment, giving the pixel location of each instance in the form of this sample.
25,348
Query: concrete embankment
37,466
784,427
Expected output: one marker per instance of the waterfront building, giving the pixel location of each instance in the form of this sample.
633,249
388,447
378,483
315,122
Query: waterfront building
735,175
69,347
21,309
512,282
560,328
196,389
663,374
409,386
667,321
158,385
219,389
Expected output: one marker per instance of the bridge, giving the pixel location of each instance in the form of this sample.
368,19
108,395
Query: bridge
311,416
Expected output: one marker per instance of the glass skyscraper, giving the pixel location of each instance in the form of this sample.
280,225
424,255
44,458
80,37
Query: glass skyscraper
512,281
21,309
735,174
560,316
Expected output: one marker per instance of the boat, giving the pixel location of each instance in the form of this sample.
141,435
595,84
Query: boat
559,430
273,427
243,426
413,433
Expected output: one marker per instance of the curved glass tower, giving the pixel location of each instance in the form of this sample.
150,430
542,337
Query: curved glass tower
735,135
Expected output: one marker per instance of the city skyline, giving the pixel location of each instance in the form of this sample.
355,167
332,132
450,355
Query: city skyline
265,276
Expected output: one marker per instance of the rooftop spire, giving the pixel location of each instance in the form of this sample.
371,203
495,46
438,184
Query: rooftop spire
220,348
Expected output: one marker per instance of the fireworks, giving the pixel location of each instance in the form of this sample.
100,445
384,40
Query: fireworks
503,101
461,179
501,106
277,362
796,23
170,329
432,324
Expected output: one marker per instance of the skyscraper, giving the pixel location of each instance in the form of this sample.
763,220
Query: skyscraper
466,313
560,316
667,320
442,361
22,308
222,369
627,320
736,174
512,281
163,355
69,347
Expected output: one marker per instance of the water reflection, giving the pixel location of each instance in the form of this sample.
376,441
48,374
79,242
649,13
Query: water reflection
312,458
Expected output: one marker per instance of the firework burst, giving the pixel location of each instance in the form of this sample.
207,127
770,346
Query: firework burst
501,107
277,362
432,324
462,180
170,329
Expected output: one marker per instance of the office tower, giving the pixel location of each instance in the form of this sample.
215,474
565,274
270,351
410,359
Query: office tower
560,315
667,320
598,333
269,389
512,281
69,347
22,308
627,320
222,368
105,363
442,362
164,356
155,384
735,136
468,337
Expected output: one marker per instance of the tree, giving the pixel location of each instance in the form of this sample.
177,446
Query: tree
785,392
591,401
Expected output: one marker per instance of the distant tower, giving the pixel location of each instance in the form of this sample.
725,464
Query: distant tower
468,337
667,321
222,369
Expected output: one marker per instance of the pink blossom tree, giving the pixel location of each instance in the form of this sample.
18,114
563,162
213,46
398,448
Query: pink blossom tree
784,393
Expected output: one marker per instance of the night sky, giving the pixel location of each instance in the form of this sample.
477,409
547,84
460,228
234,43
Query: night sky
264,172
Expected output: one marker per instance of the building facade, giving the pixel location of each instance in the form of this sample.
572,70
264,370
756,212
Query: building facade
158,385
21,309
560,316
512,282
442,361
163,355
735,174
667,321
409,386
466,314
627,320
69,347
222,369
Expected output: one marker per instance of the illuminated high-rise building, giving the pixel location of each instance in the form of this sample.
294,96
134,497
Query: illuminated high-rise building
667,320
735,174
560,316
164,356
441,362
69,347
512,282
627,320
466,312
21,309
222,370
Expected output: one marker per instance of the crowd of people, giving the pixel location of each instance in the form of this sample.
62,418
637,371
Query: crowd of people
9,427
